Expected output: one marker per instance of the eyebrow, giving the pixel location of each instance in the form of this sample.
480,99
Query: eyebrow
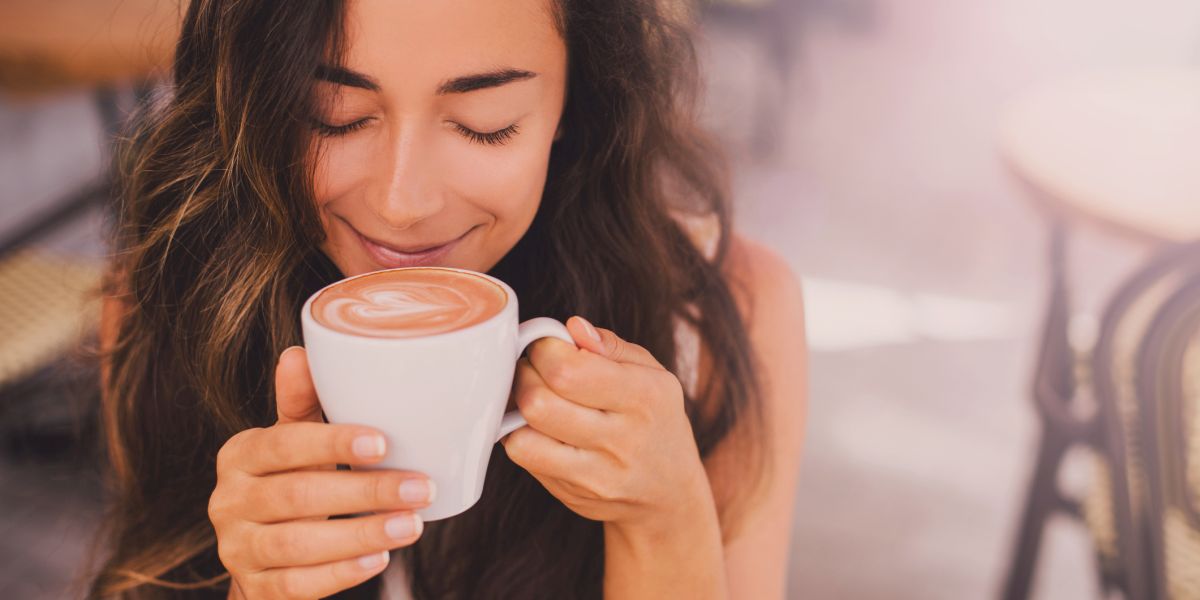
458,85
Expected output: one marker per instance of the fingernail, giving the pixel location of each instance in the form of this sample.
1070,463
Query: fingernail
373,561
591,331
403,526
369,445
286,350
417,490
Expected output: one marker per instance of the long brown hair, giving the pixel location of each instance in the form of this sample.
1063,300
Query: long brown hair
218,247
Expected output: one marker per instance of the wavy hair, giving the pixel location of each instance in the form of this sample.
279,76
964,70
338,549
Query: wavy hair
217,248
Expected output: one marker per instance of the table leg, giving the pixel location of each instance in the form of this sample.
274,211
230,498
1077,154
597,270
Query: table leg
1053,389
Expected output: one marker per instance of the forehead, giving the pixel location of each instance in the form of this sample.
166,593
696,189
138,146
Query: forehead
409,44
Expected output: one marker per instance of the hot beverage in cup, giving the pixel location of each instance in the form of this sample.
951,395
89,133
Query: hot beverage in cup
427,356
411,302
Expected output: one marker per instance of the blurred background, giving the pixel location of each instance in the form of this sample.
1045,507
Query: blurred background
992,205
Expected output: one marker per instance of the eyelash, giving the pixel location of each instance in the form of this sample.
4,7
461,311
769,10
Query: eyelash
328,130
493,138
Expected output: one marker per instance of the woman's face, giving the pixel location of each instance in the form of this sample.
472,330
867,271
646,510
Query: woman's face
436,131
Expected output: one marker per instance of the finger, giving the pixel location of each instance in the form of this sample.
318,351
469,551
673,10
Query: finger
319,581
295,396
588,378
301,494
610,345
300,445
539,453
299,543
566,421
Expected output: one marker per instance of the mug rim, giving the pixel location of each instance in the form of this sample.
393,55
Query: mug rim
307,318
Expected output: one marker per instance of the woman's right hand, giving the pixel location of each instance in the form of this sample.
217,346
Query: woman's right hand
277,487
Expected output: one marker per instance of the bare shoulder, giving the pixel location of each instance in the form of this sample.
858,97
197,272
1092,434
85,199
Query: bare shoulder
770,298
771,303
768,291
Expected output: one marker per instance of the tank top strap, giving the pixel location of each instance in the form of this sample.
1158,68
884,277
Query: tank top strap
704,229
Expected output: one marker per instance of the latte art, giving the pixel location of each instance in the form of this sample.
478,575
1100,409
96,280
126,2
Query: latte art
411,302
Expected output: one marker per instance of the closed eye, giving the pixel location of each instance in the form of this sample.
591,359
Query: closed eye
493,138
328,130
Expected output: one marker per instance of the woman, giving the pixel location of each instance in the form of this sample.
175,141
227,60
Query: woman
551,143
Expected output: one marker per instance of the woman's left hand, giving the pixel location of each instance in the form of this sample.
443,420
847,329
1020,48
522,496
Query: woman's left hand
607,434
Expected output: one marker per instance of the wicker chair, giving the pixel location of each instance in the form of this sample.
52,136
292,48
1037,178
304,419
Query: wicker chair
1132,403
48,308
49,301
1140,370
1168,387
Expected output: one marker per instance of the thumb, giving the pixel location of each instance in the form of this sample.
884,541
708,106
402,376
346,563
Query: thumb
608,344
295,396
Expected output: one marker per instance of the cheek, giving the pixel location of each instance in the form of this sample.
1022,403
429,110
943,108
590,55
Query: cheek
338,168
505,181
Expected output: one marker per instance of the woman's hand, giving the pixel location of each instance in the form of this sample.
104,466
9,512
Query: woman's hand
607,434
277,487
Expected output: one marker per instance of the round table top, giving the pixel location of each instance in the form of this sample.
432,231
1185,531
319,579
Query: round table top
51,44
1120,149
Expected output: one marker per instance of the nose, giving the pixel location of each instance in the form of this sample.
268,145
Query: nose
411,191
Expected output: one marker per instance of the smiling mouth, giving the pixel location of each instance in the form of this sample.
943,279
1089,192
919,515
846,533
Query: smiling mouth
410,250
390,256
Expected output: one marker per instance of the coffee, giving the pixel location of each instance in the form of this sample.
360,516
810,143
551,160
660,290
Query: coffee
439,400
411,302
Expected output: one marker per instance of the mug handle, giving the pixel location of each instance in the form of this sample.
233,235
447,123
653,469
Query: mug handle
528,332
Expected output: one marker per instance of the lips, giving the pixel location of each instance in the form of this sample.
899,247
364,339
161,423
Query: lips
389,256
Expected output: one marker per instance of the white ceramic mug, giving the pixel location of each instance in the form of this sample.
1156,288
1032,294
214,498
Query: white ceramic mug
439,399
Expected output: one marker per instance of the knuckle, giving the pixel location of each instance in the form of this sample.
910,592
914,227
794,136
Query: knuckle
295,495
226,554
256,550
635,350
524,374
602,490
383,489
227,454
287,585
368,535
343,574
515,446
223,458
611,489
670,385
560,375
278,451
218,506
233,549
534,404
620,351
537,350
611,445
282,545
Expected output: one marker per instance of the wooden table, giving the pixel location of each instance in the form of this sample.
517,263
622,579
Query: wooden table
1118,151
48,45
52,46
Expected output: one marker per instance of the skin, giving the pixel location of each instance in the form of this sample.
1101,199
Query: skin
607,434
411,177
